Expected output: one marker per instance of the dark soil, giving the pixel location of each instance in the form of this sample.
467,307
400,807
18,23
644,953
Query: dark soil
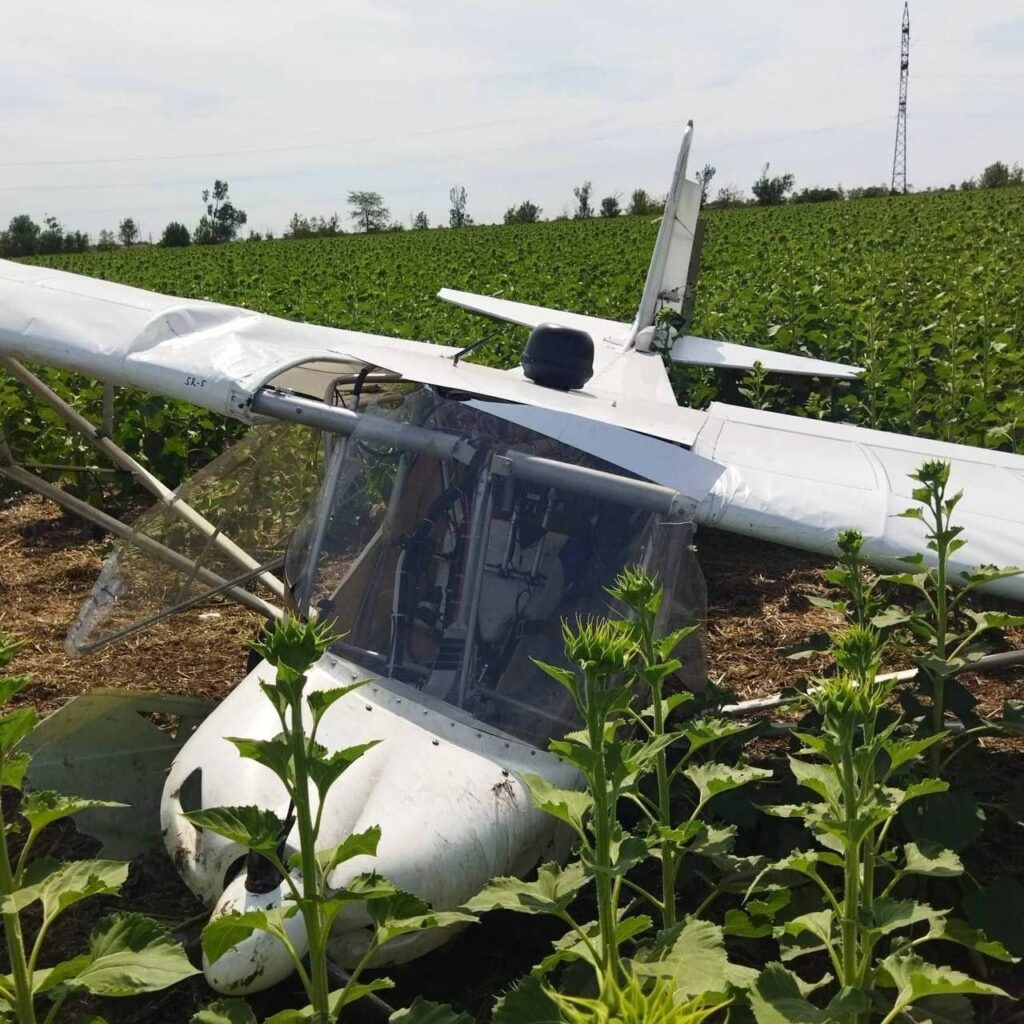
48,564
757,603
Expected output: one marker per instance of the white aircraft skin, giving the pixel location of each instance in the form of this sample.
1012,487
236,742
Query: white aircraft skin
446,791
787,479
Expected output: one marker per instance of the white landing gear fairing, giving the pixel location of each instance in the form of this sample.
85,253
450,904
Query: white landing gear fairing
451,517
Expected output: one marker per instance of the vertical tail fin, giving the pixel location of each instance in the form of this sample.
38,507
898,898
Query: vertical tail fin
669,272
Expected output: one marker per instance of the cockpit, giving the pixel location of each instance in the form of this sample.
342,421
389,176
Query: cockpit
444,540
450,575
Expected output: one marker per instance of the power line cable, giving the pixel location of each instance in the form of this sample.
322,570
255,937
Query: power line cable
268,150
661,125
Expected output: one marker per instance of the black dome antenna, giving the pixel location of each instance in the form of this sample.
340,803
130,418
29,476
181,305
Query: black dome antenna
558,357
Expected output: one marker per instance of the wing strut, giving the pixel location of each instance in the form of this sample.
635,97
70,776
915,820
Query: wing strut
182,606
164,494
12,471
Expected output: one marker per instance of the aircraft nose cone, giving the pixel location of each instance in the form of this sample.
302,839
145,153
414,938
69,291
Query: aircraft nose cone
261,960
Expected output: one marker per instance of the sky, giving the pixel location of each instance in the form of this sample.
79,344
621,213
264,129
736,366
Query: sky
115,108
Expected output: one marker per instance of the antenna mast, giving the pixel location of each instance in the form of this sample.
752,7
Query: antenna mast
899,157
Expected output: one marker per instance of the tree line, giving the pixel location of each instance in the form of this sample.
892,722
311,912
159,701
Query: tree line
219,223
370,215
773,190
221,219
640,204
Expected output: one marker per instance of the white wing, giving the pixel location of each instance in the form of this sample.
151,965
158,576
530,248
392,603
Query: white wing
218,356
799,482
781,478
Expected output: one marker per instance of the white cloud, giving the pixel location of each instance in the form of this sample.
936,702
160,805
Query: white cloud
307,100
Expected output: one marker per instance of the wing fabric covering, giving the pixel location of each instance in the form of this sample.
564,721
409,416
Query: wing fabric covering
256,492
211,355
799,482
218,357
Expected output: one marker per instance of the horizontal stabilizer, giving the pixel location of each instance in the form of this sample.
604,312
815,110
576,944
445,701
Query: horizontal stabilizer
619,368
728,356
530,316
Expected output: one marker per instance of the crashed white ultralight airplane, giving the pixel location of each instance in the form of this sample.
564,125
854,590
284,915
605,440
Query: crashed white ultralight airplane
462,512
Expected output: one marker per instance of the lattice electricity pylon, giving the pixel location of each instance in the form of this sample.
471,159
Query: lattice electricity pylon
899,157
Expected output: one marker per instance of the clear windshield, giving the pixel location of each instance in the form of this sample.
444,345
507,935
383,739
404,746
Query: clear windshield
450,577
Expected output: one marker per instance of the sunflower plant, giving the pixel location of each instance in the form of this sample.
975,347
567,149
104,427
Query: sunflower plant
861,771
127,953
304,767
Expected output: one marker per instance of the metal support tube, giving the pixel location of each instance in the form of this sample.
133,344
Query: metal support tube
506,558
360,378
594,483
990,663
163,493
546,472
147,544
184,606
372,429
107,418
56,467
545,525
323,517
476,559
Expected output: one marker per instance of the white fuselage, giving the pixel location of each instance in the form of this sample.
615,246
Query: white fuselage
446,791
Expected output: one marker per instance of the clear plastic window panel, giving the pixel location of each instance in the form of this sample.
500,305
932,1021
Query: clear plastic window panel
255,493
